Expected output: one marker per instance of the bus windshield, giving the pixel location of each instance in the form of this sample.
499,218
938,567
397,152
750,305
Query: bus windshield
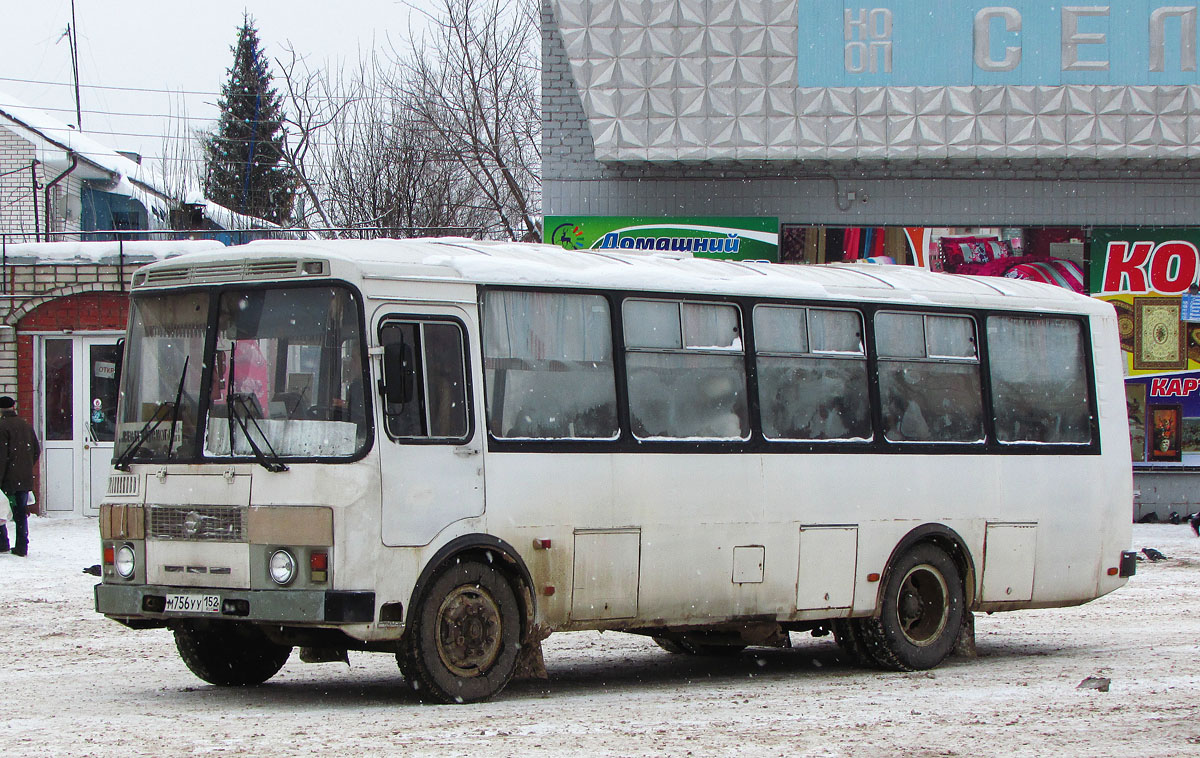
286,376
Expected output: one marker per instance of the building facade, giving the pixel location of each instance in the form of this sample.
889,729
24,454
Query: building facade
75,218
888,130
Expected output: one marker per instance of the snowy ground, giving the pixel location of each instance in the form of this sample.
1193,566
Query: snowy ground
77,684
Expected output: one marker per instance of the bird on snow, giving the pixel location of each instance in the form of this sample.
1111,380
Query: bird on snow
1194,523
1153,554
94,569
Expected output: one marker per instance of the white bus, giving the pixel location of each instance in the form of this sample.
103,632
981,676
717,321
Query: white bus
446,449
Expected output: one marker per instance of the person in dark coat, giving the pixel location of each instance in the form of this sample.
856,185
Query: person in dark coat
19,451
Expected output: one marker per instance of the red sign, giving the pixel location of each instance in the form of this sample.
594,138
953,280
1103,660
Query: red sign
1165,267
1168,386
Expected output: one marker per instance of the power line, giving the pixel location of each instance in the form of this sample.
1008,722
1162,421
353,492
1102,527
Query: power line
163,91
109,87
88,111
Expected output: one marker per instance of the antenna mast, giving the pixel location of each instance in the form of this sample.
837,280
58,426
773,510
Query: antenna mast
73,41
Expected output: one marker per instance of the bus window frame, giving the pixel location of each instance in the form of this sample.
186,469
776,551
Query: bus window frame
626,442
421,384
204,403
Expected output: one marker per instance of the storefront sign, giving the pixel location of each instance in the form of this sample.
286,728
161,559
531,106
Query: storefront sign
1144,260
975,42
1145,273
751,238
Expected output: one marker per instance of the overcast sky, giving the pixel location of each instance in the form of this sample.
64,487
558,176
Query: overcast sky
172,47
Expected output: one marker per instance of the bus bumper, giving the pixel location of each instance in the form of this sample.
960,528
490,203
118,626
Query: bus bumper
141,603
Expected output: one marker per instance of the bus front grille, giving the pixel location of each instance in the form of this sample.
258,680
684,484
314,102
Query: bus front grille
197,523
122,484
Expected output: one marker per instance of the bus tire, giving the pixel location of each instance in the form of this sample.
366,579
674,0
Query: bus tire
849,637
465,635
920,614
229,654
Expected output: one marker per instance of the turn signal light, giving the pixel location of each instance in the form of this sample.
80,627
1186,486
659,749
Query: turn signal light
110,555
318,566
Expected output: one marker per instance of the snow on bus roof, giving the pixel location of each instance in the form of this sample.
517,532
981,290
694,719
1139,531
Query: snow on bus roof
532,264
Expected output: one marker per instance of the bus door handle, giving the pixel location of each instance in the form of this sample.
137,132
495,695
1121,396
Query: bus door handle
466,452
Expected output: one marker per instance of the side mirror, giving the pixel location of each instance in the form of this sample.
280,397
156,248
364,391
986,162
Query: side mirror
399,373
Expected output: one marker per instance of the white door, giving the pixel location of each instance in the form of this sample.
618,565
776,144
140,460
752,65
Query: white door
77,418
430,446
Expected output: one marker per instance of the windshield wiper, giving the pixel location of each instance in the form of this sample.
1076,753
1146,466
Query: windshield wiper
175,409
123,460
238,404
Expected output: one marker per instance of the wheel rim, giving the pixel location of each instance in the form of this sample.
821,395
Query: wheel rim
468,631
922,606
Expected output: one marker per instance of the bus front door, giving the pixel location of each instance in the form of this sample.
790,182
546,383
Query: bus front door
430,451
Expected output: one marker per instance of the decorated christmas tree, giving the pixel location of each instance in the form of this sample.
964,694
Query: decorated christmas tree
244,167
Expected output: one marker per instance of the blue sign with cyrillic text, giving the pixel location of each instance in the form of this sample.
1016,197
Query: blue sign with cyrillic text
1020,42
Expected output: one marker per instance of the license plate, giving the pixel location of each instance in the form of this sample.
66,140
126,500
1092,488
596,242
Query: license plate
193,604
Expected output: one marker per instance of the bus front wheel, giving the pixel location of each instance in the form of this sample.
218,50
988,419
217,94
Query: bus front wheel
465,635
229,654
921,612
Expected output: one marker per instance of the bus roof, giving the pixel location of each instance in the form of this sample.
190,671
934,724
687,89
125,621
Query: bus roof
540,265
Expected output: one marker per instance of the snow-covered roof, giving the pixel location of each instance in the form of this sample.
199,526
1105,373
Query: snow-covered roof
513,263
54,139
130,252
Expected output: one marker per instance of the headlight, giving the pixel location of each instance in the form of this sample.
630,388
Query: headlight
124,561
282,567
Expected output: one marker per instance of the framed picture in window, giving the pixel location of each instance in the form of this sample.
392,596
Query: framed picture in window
1165,430
1135,404
1159,339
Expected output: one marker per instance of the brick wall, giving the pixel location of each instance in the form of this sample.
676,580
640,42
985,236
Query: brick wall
54,298
16,184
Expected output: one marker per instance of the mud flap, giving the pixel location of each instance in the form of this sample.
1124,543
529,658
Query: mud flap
964,646
530,664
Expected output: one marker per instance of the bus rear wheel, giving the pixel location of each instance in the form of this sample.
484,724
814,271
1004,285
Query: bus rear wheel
464,636
229,654
921,613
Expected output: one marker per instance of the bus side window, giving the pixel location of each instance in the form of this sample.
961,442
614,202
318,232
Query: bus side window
1039,380
437,404
812,374
548,365
686,371
929,383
